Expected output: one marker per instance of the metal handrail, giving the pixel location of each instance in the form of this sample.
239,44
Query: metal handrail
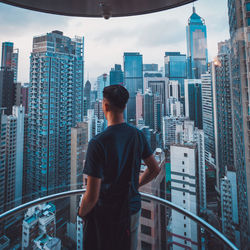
167,203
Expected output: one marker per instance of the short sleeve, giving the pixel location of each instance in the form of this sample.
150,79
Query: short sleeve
147,151
94,160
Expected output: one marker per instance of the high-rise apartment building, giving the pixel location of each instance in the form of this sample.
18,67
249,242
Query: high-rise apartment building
239,24
208,117
197,55
116,75
229,206
193,101
13,153
221,73
79,144
133,81
187,133
150,67
7,89
55,105
184,187
176,68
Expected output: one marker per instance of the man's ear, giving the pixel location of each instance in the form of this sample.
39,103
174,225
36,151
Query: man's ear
107,106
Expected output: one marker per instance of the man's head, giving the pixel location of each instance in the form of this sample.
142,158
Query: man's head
115,98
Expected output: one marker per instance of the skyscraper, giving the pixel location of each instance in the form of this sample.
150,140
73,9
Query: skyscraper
102,81
197,56
176,68
10,58
139,107
148,112
239,21
87,90
208,117
193,101
13,136
116,75
7,89
7,50
55,105
79,143
229,206
158,85
221,71
133,81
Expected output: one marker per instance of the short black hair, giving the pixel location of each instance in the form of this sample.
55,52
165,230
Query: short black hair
117,97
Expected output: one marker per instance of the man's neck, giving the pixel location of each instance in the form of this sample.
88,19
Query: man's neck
115,119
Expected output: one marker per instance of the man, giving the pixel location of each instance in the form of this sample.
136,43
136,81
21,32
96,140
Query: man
113,160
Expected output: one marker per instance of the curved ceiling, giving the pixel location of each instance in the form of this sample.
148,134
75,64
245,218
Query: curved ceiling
97,8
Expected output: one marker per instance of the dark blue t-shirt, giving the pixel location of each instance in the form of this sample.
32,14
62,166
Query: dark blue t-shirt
110,156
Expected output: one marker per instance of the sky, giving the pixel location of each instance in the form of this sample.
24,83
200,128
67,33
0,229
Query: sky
107,40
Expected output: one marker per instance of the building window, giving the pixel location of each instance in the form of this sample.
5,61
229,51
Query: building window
146,213
184,217
185,241
185,225
248,6
183,162
183,193
248,21
145,245
185,234
146,230
185,155
183,178
183,185
183,170
184,201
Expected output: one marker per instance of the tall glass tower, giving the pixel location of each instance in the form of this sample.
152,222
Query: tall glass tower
196,32
56,105
116,75
133,80
176,68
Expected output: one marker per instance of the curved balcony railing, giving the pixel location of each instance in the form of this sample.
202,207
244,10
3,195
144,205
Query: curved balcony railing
200,222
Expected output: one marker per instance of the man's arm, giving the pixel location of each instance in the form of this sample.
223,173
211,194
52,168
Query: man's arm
91,196
151,172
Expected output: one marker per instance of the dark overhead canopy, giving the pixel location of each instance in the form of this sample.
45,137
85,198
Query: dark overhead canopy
97,8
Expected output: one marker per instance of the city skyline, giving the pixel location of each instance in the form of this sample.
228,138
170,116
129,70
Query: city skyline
116,35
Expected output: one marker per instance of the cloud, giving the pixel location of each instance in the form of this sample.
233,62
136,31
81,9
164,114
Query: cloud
16,21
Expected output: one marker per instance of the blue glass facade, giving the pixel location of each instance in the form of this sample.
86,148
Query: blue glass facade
116,75
197,55
176,68
133,81
193,101
56,105
102,81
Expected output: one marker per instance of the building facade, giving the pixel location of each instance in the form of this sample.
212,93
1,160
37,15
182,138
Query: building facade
116,75
197,55
55,105
133,81
239,27
176,68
